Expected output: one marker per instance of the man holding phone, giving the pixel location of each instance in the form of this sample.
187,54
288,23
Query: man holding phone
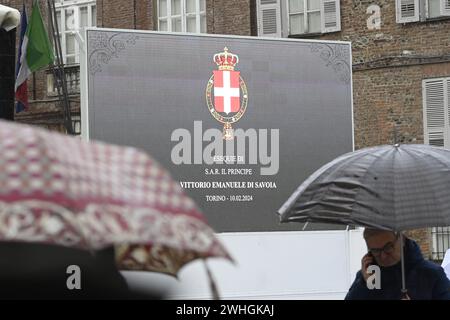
424,279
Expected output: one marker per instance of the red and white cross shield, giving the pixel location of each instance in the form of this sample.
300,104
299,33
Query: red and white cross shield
226,91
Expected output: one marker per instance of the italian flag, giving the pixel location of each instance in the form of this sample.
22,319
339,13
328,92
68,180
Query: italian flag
35,52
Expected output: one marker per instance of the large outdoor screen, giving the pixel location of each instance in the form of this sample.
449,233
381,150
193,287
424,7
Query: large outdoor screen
239,121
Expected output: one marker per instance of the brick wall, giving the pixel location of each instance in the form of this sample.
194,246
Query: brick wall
386,96
230,17
383,97
423,238
426,38
387,81
116,14
223,17
125,14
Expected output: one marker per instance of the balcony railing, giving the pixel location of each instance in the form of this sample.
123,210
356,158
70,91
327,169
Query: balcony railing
441,242
72,79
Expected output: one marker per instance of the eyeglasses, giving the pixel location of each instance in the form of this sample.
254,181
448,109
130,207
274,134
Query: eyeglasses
388,249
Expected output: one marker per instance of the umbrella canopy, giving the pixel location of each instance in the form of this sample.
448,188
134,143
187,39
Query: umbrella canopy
387,187
57,189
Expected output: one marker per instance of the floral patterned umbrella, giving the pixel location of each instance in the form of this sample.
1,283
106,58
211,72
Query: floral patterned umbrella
57,189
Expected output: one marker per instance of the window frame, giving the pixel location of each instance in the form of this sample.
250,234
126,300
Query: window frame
440,235
427,10
184,15
422,14
62,7
266,27
426,15
446,110
305,13
440,242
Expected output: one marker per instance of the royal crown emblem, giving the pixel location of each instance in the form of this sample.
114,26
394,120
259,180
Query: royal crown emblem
226,92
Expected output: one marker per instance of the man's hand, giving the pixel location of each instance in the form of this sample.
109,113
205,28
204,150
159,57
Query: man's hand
366,261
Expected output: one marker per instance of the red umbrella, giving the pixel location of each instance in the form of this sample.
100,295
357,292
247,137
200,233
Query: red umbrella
57,189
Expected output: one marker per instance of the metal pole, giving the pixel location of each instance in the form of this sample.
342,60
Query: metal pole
395,133
58,69
212,283
404,290
55,67
7,76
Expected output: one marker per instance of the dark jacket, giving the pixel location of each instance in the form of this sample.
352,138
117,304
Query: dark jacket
39,271
425,280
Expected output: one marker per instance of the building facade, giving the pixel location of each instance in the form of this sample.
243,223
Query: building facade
400,48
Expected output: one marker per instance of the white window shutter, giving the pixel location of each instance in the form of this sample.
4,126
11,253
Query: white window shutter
330,13
435,112
445,7
447,111
407,11
269,18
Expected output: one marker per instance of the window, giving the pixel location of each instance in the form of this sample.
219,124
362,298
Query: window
76,124
437,8
182,15
433,8
278,18
436,116
441,242
304,16
436,119
407,10
421,10
269,18
73,16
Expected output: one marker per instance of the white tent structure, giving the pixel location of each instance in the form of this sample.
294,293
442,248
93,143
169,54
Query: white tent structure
316,265
446,263
9,18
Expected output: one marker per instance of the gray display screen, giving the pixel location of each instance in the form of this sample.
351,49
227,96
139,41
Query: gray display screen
240,122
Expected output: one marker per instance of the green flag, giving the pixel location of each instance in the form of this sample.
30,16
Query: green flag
39,49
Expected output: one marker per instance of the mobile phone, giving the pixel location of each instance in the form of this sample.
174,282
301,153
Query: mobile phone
374,261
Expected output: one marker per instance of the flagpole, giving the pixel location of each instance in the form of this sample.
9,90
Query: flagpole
21,86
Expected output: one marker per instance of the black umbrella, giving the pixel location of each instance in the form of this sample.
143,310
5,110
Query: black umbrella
396,188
